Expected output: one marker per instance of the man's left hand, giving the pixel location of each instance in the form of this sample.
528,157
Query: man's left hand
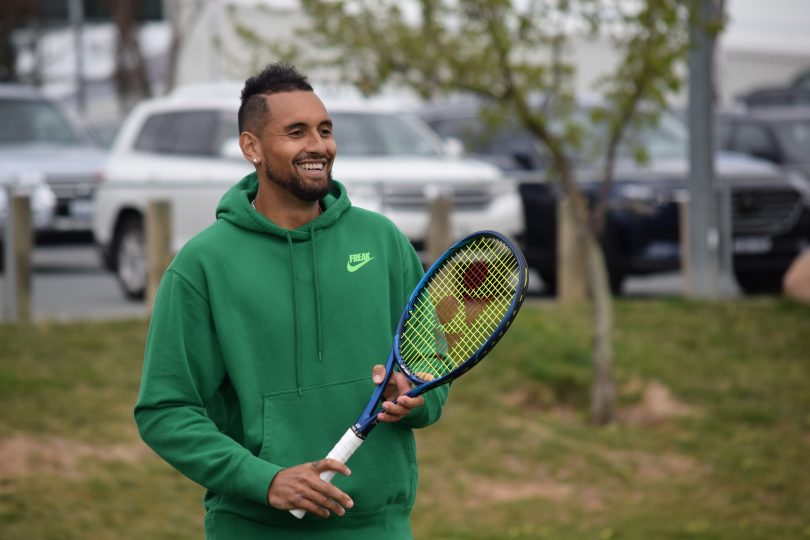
397,385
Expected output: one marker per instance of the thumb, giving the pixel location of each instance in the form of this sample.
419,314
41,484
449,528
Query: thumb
378,373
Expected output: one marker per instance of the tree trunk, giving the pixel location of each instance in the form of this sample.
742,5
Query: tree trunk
603,391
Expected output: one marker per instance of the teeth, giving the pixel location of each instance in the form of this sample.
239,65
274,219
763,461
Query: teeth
312,166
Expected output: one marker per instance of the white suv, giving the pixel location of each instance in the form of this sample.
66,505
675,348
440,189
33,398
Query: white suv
184,148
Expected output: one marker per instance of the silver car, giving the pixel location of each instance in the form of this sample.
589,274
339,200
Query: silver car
41,139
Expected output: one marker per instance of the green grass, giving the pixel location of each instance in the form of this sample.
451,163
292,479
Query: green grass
712,441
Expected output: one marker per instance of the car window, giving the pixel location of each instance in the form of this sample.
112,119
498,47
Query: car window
35,121
669,138
185,133
508,140
795,139
379,135
754,140
723,132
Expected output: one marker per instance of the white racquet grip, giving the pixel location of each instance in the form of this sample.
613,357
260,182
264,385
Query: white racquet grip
341,452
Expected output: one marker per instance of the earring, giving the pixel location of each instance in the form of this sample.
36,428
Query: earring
255,160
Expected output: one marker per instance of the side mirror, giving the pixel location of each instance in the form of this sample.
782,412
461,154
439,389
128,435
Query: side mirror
230,149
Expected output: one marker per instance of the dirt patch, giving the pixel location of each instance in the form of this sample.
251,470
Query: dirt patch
24,455
657,404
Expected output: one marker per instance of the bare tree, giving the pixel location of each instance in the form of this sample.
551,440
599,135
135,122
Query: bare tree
13,15
182,17
131,76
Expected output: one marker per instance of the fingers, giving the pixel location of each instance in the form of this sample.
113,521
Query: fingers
302,487
396,411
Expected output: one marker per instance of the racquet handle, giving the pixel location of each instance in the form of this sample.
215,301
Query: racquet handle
341,452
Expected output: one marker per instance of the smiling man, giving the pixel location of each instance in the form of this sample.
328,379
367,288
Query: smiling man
266,337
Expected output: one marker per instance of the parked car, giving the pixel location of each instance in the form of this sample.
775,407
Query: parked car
770,219
41,199
40,137
780,135
184,148
794,93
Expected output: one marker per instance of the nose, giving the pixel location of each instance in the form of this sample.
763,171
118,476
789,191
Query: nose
316,143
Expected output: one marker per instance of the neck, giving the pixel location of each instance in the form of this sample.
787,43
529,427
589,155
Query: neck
287,214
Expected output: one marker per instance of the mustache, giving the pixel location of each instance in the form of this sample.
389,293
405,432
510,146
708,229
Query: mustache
313,155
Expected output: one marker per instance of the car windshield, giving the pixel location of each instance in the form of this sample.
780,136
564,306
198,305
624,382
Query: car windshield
795,138
669,138
360,134
27,121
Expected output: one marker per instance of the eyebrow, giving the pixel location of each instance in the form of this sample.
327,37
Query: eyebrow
304,125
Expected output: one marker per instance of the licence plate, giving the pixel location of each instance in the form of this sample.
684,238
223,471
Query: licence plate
81,207
752,245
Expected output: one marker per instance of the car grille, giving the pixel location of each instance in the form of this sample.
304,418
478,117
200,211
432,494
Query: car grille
765,211
468,198
70,187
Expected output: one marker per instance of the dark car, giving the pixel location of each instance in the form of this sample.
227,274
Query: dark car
768,208
780,135
795,93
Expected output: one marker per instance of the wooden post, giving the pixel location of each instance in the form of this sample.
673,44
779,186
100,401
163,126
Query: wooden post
18,259
438,237
158,246
570,256
683,237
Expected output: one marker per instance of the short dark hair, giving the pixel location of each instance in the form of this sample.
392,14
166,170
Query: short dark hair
274,78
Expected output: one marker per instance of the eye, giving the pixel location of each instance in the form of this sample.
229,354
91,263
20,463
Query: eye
326,131
296,133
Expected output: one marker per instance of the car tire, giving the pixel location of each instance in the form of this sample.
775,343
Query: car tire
759,282
130,257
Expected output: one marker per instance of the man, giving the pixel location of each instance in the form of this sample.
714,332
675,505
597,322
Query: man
263,334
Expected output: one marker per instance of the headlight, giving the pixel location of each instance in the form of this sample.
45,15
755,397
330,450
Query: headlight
637,192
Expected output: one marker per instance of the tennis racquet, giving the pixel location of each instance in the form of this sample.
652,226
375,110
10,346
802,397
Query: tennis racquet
459,310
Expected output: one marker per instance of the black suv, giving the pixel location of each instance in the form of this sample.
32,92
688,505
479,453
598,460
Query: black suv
768,208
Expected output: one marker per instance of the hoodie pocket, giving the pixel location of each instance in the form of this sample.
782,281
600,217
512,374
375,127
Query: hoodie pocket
304,428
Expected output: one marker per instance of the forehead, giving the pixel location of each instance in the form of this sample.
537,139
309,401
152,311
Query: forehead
295,107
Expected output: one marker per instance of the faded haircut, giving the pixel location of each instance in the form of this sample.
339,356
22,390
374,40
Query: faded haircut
274,78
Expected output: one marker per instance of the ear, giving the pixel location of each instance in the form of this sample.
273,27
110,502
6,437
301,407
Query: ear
250,146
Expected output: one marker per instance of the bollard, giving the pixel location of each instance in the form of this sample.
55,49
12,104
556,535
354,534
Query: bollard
158,246
17,262
440,208
683,241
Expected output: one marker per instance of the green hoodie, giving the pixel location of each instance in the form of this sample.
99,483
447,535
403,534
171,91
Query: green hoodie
259,357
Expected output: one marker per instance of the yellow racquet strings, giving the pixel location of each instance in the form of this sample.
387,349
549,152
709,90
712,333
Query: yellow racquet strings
459,308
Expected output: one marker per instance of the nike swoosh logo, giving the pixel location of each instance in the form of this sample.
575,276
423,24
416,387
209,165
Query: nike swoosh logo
355,267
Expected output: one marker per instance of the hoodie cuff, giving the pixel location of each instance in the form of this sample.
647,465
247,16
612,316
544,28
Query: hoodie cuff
253,477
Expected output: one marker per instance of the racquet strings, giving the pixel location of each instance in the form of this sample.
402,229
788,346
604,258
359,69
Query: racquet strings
459,308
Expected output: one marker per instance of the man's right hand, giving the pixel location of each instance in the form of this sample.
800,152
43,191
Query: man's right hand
301,487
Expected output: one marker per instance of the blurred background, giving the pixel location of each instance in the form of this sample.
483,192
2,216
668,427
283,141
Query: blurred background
81,67
665,397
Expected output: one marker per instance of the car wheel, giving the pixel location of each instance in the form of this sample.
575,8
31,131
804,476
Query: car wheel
616,280
130,257
759,282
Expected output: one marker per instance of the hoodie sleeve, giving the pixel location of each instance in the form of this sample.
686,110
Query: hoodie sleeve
183,369
434,399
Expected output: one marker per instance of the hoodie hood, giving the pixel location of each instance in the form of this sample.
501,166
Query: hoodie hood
235,207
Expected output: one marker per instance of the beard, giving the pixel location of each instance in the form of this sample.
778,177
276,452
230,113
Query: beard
297,186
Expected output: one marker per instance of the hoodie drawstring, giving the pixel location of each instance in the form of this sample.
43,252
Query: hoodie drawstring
317,293
295,318
296,321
